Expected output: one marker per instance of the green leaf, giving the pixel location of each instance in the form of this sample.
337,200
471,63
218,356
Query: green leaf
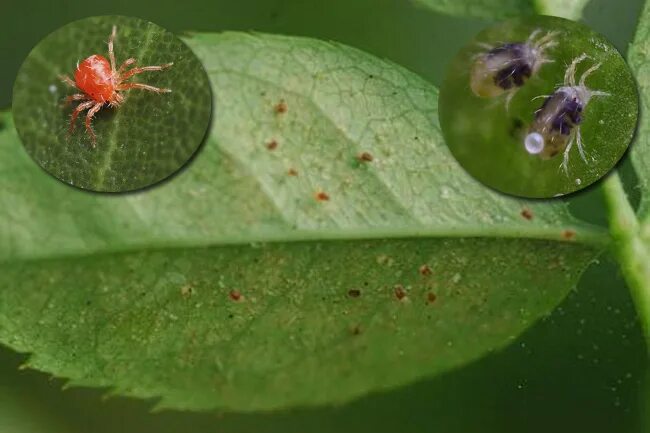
147,139
481,8
234,287
640,154
495,9
632,232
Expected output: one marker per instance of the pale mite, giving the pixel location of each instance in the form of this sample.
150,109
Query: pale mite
557,122
504,68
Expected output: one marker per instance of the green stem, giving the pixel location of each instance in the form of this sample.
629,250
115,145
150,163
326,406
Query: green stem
632,253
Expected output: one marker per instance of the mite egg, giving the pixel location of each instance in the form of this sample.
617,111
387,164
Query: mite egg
556,125
506,67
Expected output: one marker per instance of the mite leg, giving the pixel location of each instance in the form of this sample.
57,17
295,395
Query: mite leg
485,46
75,114
75,97
546,41
588,72
533,35
511,94
111,52
89,118
570,74
598,93
581,149
128,86
126,64
67,80
565,159
135,71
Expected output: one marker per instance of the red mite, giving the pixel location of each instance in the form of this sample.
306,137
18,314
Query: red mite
101,84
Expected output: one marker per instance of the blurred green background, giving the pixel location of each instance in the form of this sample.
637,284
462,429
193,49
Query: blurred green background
578,370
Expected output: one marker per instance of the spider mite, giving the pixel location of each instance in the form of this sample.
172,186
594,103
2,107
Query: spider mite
557,123
101,82
506,67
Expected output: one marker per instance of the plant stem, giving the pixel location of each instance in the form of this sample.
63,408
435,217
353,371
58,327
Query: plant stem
632,253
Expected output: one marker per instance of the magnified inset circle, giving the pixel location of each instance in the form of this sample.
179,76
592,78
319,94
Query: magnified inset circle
112,120
538,107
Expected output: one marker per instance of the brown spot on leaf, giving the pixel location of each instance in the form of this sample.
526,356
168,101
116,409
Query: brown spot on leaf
365,157
354,293
235,295
568,234
322,196
400,293
281,107
425,270
292,172
431,297
527,214
272,145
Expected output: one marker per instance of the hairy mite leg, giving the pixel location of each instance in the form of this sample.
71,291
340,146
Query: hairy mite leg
581,149
89,118
570,74
128,86
546,41
142,69
533,35
111,53
75,114
75,97
588,72
128,62
565,160
67,80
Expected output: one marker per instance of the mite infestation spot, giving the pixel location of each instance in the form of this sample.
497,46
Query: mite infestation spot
527,214
354,293
400,293
322,196
425,270
272,145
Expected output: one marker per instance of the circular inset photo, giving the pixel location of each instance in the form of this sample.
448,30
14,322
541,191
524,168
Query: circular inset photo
538,107
112,104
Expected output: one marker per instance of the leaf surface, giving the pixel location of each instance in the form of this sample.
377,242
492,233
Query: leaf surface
497,9
294,273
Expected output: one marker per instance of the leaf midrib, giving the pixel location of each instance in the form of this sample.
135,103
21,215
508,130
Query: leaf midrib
585,235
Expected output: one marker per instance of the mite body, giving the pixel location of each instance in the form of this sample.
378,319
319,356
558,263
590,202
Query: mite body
557,122
101,83
503,69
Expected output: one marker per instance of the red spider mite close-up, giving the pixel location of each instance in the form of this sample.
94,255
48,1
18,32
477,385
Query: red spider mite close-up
101,83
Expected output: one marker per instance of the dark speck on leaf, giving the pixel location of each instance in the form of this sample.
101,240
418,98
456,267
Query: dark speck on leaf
281,107
354,293
425,270
400,293
235,295
356,330
272,145
431,297
365,157
322,196
527,214
569,235
292,172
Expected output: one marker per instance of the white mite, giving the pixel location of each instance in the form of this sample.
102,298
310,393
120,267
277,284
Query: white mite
557,122
504,68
